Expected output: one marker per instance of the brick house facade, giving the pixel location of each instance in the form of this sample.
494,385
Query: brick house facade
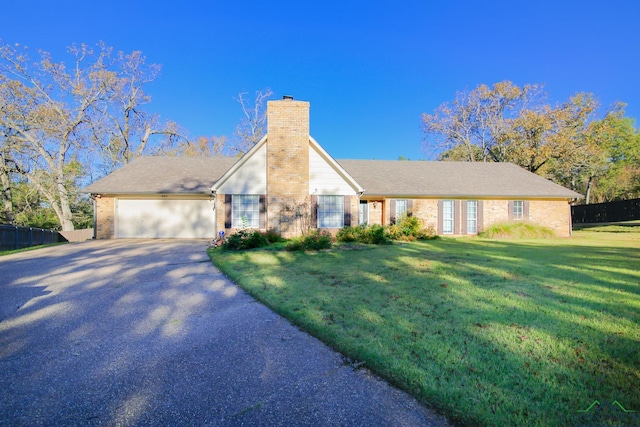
289,183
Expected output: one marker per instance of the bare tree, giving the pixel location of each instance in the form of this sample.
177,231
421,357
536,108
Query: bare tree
123,130
59,121
253,126
476,125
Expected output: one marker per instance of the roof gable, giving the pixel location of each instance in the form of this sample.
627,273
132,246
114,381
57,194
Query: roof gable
228,174
326,175
247,176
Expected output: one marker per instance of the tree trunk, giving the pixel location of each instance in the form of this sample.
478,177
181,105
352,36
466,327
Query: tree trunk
6,215
65,208
588,195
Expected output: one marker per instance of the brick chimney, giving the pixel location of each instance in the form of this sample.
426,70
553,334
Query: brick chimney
287,164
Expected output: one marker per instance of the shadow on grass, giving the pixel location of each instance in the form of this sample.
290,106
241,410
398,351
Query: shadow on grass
488,332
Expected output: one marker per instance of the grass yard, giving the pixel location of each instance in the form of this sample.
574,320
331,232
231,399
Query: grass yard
487,332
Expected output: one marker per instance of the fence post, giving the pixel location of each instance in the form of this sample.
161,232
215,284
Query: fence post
16,242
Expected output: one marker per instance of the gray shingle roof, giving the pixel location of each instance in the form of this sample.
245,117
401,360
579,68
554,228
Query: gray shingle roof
196,175
157,174
451,179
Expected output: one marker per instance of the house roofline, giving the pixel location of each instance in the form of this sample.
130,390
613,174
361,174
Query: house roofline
342,171
372,196
323,153
237,165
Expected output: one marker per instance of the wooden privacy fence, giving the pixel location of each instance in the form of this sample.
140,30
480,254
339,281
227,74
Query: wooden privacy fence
16,237
622,210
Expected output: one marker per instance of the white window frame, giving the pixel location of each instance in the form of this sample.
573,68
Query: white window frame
363,212
518,210
472,216
401,209
330,211
447,217
247,206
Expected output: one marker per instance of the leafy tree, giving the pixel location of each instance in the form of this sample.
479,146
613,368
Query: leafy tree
477,125
59,122
566,142
620,176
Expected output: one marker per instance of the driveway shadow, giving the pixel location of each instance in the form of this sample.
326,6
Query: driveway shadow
131,332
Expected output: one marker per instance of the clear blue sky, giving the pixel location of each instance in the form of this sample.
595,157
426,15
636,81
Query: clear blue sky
369,69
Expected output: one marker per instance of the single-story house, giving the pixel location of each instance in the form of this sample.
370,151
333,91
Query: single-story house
289,183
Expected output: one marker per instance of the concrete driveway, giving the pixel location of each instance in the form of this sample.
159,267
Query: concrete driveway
132,332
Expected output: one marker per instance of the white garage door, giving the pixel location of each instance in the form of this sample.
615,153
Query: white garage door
161,218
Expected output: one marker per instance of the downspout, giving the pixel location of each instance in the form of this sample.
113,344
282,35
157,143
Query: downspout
95,216
215,215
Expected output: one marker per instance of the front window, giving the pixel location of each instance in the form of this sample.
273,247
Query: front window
330,211
246,211
363,212
517,210
401,209
447,216
472,216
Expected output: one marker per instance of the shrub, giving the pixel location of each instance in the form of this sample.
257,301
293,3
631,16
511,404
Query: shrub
273,236
351,234
516,230
410,228
397,233
245,239
313,241
295,245
375,234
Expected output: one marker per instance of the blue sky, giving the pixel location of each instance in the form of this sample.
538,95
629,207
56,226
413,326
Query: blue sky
369,69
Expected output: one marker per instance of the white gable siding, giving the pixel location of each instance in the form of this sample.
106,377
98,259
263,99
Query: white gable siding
250,178
324,179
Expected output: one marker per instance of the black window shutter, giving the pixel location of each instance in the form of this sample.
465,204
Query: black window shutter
525,210
263,212
347,211
228,198
510,210
392,211
456,217
410,207
314,211
440,212
480,220
463,217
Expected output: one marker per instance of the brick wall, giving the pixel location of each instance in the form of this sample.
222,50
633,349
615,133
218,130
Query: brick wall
287,162
105,214
375,212
427,210
555,214
495,211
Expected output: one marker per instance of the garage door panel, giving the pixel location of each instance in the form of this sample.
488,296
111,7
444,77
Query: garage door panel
165,218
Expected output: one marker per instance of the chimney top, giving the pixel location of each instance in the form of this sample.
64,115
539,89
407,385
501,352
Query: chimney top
288,97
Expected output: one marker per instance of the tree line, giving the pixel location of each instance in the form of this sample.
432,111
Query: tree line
66,124
572,143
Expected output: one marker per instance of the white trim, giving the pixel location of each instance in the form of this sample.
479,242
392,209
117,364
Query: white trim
336,166
237,165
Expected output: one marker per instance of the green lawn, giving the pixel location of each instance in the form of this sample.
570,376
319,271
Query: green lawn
487,332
